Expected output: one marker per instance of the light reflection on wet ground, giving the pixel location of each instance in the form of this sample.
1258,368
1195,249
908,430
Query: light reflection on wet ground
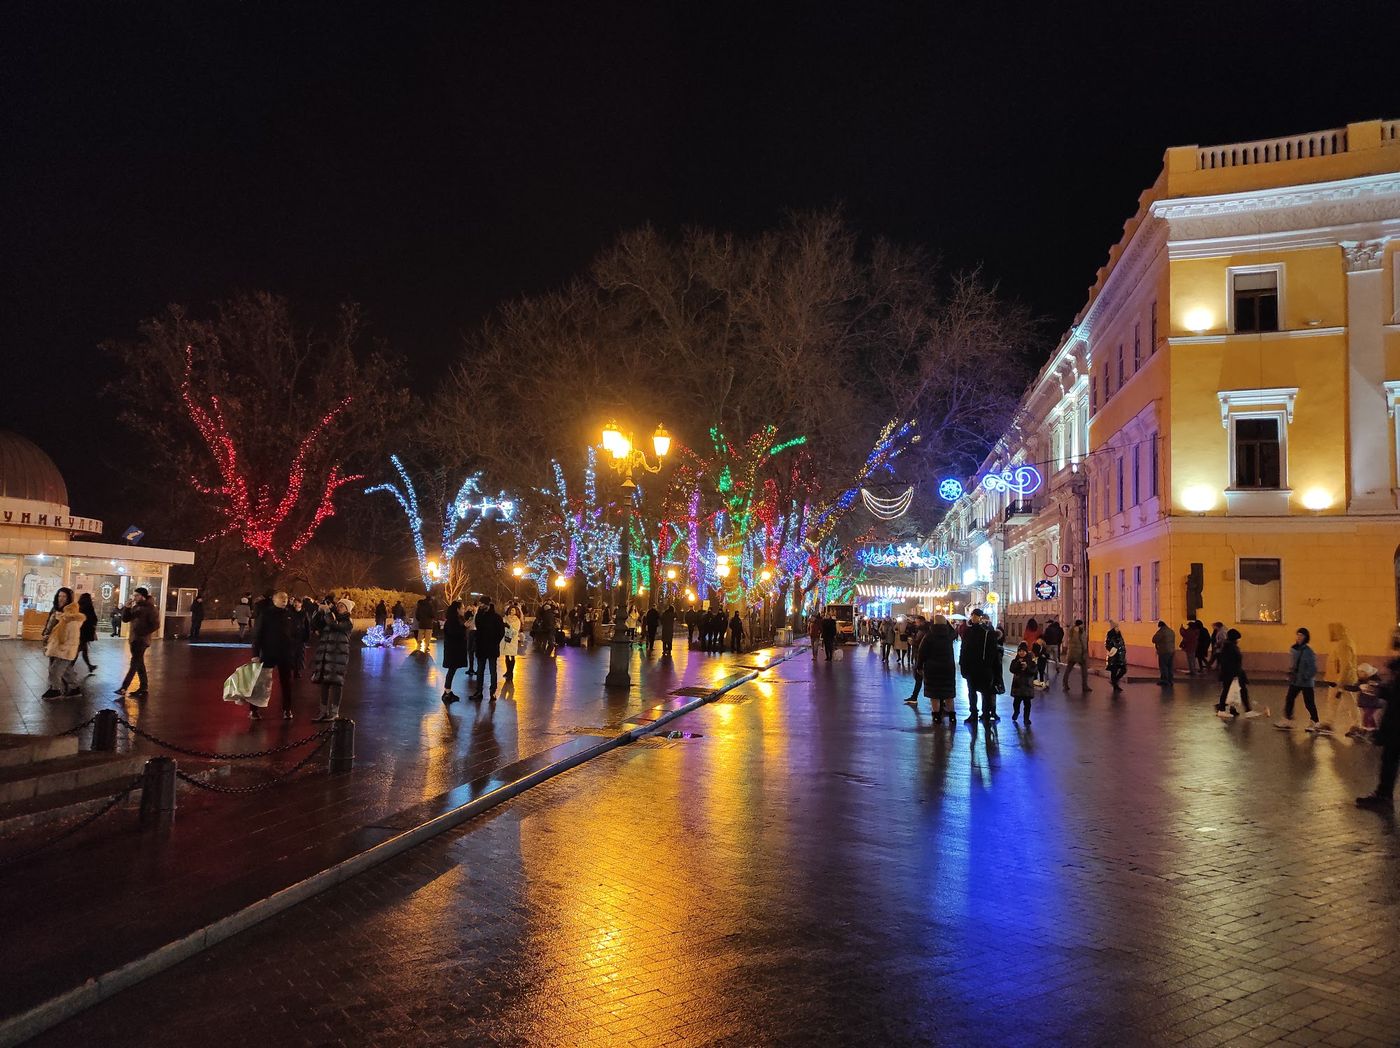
822,866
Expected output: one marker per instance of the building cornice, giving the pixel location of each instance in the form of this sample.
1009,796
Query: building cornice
1350,201
1284,240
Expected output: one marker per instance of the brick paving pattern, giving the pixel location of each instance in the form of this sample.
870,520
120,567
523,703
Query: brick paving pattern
821,866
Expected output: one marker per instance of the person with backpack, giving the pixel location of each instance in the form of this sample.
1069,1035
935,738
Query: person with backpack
1302,677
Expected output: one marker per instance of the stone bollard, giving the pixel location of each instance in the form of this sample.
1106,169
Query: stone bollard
104,732
620,663
342,745
158,790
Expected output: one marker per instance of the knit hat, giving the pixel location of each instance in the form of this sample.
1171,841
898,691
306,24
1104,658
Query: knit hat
349,604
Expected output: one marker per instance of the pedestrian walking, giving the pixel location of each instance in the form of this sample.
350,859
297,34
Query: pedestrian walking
939,667
62,638
1388,734
454,649
303,628
1230,662
736,633
275,640
510,639
490,631
916,643
814,633
400,613
1116,651
692,620
901,647
381,614
829,634
88,634
1342,709
1031,634
1053,638
1164,640
332,659
886,640
243,615
1190,643
1302,677
651,624
668,630
974,662
1217,641
144,620
1203,647
1077,654
1022,682
423,616
196,616
469,621
544,623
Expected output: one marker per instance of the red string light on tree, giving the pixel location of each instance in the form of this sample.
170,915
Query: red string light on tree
250,509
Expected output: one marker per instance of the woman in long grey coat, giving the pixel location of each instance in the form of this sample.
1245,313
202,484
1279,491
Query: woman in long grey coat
332,657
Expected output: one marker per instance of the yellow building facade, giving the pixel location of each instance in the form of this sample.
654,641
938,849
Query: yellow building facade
1243,343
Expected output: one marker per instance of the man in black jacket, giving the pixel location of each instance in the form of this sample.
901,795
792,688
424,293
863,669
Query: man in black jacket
145,620
974,662
668,629
650,623
490,631
829,634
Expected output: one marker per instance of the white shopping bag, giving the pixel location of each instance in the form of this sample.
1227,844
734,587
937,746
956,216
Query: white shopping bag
250,683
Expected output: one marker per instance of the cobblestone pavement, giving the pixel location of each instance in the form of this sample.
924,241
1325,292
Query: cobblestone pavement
822,866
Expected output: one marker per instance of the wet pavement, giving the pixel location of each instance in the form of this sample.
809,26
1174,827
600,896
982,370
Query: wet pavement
823,866
113,893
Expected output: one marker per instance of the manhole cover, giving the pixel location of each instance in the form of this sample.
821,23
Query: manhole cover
692,691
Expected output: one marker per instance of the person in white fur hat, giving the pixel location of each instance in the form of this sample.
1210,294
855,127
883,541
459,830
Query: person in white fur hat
332,656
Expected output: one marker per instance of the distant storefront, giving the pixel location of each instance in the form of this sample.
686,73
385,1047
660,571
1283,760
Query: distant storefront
42,549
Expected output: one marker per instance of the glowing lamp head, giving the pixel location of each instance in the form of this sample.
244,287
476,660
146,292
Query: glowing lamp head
434,570
661,441
722,571
1199,319
1317,499
1198,498
611,436
764,575
517,571
560,582
671,574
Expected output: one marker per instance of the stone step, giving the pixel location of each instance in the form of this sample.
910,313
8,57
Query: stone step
23,781
29,749
54,810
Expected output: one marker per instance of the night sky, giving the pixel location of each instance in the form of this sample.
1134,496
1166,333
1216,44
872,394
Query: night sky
431,160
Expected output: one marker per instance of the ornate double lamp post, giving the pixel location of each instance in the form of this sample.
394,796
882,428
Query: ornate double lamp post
627,459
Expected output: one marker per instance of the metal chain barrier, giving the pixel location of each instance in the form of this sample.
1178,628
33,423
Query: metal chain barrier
324,733
81,824
277,777
79,727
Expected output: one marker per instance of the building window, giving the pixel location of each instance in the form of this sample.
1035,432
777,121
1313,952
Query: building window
1119,382
1258,452
1122,594
1156,590
1152,472
1137,345
1152,330
1137,476
1118,468
1058,438
1093,392
1260,589
1254,297
1137,592
1108,595
1094,615
1084,426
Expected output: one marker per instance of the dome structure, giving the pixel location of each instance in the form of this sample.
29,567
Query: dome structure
26,472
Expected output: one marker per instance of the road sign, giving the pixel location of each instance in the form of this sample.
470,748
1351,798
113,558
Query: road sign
1051,570
1046,590
133,534
1066,569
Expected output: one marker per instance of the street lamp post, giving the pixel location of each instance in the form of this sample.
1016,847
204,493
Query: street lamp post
627,459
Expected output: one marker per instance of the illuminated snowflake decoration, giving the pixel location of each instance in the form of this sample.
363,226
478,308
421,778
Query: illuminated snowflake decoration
950,490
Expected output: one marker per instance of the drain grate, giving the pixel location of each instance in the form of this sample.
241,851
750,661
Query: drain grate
693,691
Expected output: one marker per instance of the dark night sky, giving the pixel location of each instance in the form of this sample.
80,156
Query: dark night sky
429,160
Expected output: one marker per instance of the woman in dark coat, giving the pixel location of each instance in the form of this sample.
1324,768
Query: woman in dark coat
381,614
88,633
454,649
940,668
275,644
332,656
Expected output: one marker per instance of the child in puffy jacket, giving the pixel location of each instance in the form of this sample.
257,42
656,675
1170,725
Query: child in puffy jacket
1023,676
